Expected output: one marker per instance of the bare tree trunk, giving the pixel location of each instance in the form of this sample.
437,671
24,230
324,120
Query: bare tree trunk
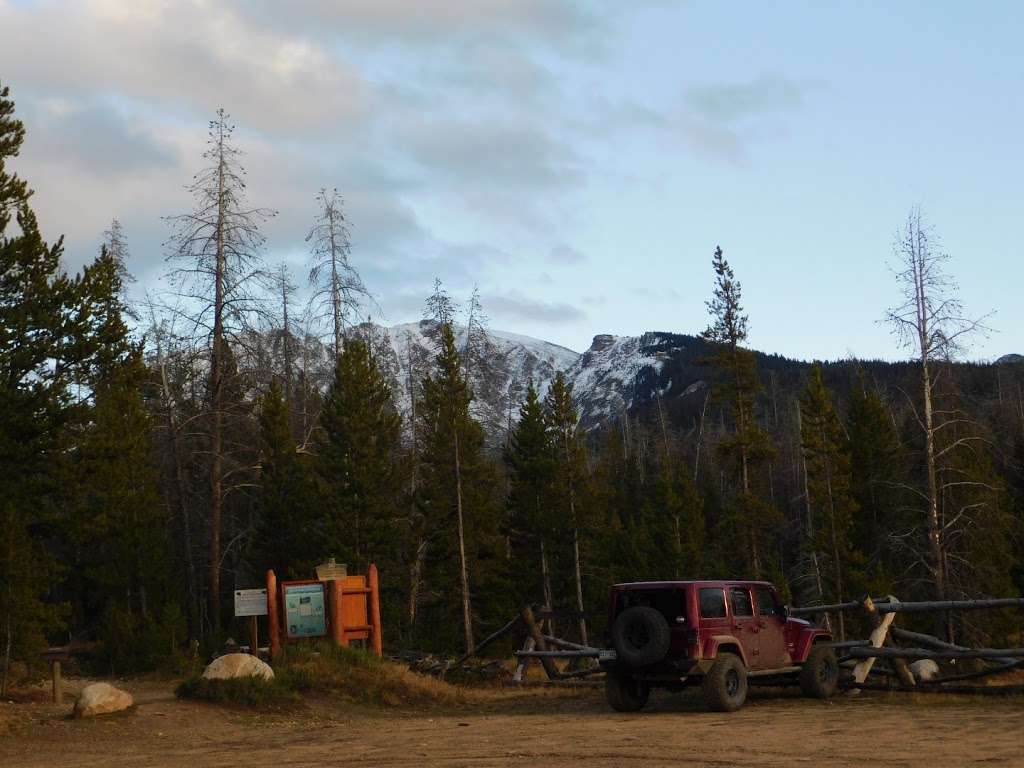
809,520
287,349
549,602
217,395
416,580
467,613
700,436
579,577
336,307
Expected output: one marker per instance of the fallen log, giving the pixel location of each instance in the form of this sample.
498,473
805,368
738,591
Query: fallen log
919,607
590,653
566,644
487,641
922,653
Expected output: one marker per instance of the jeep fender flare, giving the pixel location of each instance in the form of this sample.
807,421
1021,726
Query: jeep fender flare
806,640
728,643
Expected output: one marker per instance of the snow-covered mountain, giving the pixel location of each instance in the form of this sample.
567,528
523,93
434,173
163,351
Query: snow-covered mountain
500,377
613,375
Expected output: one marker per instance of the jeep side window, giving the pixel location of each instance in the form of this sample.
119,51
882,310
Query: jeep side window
766,602
739,597
712,603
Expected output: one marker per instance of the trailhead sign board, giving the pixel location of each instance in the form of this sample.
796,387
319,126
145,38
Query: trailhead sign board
250,602
304,610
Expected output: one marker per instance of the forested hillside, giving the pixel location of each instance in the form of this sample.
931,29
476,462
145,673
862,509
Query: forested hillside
157,455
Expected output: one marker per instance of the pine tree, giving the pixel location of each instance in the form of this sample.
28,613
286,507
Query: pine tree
830,502
286,501
877,469
356,461
457,490
676,521
49,339
570,473
748,516
530,461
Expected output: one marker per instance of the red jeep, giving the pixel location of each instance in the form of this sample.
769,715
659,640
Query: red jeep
719,633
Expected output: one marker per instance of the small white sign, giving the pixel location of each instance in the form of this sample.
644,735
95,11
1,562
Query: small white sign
250,602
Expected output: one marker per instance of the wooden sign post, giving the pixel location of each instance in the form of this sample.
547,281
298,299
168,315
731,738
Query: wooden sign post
251,603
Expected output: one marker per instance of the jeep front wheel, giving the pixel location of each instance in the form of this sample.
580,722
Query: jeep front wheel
819,675
625,693
725,684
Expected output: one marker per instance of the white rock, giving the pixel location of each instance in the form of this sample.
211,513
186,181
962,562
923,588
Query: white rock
237,665
101,698
924,669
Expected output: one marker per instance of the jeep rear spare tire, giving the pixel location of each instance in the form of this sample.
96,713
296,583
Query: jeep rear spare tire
640,636
725,684
625,693
819,675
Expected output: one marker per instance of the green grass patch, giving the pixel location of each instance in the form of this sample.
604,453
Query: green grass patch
254,692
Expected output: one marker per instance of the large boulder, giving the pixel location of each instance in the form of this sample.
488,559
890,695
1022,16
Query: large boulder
101,699
232,665
924,670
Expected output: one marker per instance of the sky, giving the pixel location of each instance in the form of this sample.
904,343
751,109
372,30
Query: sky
578,161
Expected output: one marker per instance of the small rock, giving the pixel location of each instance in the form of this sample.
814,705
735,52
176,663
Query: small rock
101,699
924,669
237,665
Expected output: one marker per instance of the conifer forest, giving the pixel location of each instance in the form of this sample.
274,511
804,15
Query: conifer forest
160,451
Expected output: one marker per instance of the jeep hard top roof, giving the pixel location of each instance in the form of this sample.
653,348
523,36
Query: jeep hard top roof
700,582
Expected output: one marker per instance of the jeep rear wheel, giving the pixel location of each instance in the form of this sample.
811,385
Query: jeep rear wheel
625,693
641,636
819,675
725,684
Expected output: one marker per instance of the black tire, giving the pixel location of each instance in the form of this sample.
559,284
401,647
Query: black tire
641,637
725,684
819,675
626,693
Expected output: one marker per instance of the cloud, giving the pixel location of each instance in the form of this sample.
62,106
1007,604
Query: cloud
194,54
515,306
566,254
424,21
491,153
732,102
95,137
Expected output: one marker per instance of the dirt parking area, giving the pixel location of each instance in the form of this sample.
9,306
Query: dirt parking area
523,728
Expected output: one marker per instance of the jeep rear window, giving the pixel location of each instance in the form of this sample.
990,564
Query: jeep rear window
670,603
712,603
739,598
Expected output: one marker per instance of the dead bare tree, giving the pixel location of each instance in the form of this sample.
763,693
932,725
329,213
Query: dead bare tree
338,290
220,289
932,324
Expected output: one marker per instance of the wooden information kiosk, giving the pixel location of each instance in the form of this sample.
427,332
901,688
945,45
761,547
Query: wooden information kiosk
344,609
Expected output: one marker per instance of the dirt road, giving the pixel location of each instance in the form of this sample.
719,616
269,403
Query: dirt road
525,729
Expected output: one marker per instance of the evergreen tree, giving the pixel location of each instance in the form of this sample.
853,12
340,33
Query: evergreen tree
530,461
456,496
569,473
676,522
286,501
830,502
49,339
747,518
356,463
876,471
